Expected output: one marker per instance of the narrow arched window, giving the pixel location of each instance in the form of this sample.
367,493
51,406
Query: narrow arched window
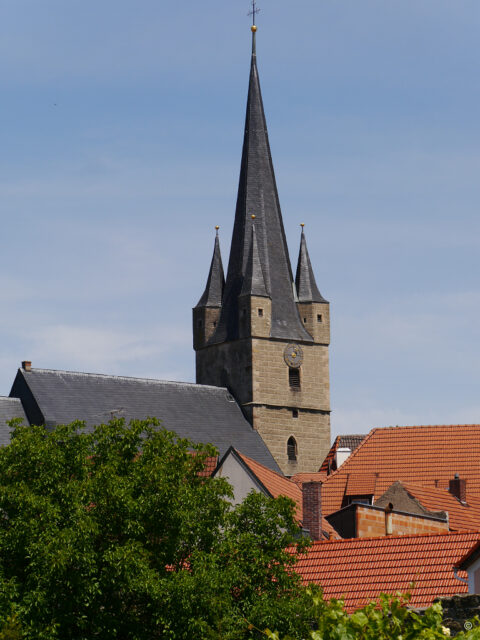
292,449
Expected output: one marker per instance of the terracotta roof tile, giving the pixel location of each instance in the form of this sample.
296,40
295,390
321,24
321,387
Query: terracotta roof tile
210,466
300,478
460,517
359,569
278,485
350,441
360,484
423,455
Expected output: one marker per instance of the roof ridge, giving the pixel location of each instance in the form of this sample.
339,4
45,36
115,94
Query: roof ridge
137,378
397,537
353,454
282,477
429,426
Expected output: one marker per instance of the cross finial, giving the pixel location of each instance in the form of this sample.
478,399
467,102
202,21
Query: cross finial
254,11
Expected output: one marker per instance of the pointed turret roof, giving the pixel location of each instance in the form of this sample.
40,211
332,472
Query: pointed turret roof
212,296
254,281
307,290
257,194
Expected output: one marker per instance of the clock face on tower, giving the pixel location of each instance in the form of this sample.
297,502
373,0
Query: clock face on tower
293,355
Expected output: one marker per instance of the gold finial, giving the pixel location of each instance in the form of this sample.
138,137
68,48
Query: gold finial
302,224
253,216
217,227
253,28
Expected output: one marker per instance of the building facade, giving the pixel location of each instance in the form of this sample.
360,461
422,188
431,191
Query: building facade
260,333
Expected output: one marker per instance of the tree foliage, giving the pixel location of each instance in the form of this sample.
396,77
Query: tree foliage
114,534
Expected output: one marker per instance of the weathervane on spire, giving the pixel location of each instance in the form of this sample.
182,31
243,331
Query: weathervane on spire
254,11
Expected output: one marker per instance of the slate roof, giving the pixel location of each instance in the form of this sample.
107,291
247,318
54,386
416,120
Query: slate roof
257,195
254,281
212,296
347,441
359,569
9,408
199,412
277,485
307,290
423,455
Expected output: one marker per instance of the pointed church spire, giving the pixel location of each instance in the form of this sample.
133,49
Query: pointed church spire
307,290
212,296
254,282
257,193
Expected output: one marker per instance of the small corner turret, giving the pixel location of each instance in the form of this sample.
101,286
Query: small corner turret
207,311
314,310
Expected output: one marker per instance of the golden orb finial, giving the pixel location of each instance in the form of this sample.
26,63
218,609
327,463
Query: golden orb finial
302,224
254,28
253,216
217,227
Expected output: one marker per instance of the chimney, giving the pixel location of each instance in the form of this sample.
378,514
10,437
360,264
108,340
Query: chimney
312,508
342,455
26,365
458,488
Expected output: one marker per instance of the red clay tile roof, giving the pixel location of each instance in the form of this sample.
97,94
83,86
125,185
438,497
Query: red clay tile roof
350,441
460,517
423,455
278,485
210,466
359,569
300,478
360,484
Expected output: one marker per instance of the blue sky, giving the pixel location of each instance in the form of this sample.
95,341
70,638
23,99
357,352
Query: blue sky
121,129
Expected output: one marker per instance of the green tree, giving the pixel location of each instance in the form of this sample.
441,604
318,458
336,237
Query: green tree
114,534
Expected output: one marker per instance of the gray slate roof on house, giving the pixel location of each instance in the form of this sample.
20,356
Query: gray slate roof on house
9,408
257,195
199,412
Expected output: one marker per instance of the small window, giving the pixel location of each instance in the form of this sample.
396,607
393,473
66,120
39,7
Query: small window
292,449
199,324
295,413
319,317
214,323
305,320
244,312
360,500
294,378
260,313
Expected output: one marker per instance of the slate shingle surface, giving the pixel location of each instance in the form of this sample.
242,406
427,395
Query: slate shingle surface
9,408
199,412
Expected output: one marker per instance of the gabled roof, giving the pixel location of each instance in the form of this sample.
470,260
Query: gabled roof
257,195
461,517
10,408
199,412
359,569
212,296
347,441
307,290
276,484
425,455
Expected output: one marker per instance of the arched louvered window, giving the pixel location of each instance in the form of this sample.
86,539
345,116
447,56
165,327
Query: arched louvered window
292,449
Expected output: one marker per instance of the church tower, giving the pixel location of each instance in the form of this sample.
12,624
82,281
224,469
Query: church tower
261,334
